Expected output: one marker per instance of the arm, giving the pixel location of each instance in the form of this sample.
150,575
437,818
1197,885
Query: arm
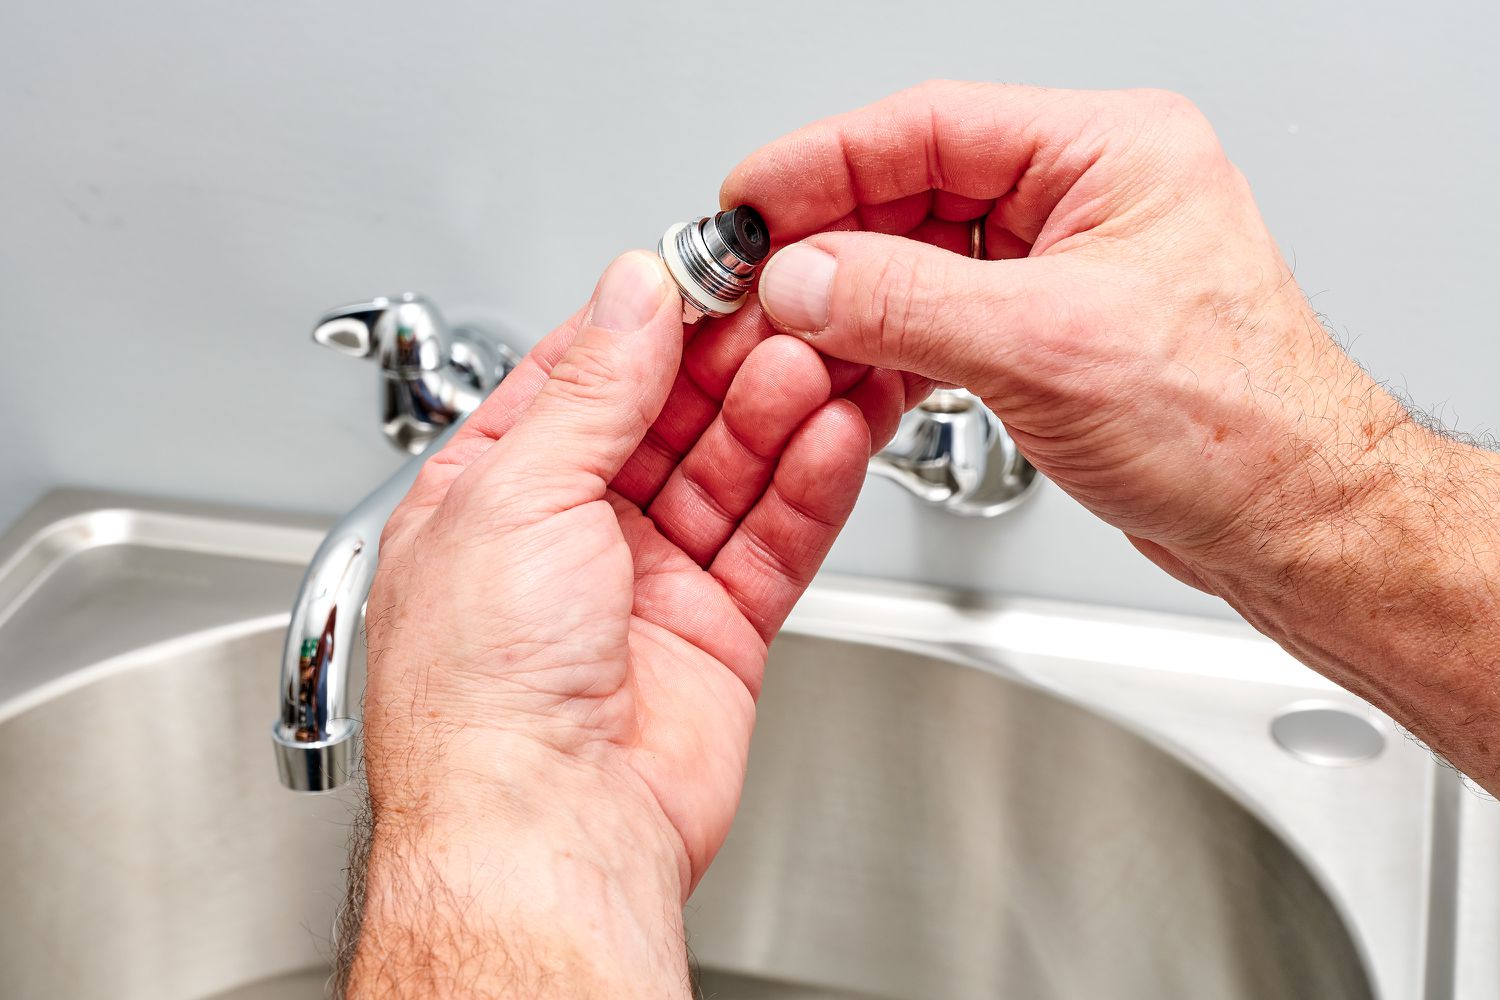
548,885
1142,337
567,634
1393,594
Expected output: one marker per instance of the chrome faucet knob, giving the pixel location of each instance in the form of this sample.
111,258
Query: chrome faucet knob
953,452
432,376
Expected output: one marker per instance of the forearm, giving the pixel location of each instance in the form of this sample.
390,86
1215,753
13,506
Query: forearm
1393,594
557,893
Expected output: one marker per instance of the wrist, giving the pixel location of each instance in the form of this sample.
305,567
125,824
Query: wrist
1294,542
466,779
1340,512
512,865
1331,448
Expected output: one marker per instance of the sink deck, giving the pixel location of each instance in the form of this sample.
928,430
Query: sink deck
107,603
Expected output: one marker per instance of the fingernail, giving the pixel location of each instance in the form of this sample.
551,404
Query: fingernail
629,293
795,287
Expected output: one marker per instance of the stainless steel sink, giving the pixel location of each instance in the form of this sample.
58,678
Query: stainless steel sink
947,797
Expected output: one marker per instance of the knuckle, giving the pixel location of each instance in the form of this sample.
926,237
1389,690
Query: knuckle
941,95
596,377
1168,102
890,310
909,302
935,88
1181,118
1167,131
1069,350
585,374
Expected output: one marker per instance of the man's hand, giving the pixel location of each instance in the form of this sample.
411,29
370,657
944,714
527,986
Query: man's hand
1139,331
1146,345
567,635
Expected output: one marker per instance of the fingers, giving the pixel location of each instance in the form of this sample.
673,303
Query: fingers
492,418
709,366
882,397
980,141
721,478
603,393
669,594
771,558
902,304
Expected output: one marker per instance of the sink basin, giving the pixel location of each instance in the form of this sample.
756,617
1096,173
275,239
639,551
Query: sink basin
946,797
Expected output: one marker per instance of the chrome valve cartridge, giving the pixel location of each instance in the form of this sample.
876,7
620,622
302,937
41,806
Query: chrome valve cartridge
714,260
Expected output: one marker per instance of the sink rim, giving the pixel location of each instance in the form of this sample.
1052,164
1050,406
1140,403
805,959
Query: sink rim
1135,669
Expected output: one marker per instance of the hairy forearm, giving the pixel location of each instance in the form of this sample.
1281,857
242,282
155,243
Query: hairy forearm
1393,593
559,895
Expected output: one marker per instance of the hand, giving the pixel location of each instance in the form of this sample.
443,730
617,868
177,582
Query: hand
567,634
1146,345
1138,331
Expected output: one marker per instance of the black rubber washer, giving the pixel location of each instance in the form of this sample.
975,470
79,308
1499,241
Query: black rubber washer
745,233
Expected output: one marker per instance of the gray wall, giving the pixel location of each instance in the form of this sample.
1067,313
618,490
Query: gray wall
185,185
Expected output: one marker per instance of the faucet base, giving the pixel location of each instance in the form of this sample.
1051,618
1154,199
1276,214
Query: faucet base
953,452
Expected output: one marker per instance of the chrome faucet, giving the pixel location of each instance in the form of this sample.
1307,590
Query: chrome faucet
431,379
953,452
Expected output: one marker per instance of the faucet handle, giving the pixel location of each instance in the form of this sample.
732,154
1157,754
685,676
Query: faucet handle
351,329
431,376
403,334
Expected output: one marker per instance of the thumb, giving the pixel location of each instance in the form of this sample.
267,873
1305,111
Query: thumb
898,303
597,403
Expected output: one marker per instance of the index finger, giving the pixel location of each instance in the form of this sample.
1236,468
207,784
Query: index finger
978,140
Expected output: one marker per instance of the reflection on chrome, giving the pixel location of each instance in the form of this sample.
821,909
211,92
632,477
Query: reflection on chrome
953,452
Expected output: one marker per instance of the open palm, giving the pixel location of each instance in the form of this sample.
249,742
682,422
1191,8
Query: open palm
597,561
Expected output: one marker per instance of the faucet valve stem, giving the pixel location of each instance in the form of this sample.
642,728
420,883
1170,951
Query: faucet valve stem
714,260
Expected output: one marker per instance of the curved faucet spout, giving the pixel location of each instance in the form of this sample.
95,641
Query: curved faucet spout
432,378
316,736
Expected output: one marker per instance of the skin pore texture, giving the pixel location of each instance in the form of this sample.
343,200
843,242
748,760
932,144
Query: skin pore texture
570,622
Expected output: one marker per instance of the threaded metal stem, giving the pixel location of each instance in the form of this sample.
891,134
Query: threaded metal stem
722,275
